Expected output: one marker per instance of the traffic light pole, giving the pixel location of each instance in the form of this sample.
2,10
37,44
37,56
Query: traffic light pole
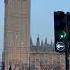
67,50
67,57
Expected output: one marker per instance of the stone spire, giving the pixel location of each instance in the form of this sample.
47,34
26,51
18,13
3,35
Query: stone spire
51,43
42,43
31,42
45,42
38,41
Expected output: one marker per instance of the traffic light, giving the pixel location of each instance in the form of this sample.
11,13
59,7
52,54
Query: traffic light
60,33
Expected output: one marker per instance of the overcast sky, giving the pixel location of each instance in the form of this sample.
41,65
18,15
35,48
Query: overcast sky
41,18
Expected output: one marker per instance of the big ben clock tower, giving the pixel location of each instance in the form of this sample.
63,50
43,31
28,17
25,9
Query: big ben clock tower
16,34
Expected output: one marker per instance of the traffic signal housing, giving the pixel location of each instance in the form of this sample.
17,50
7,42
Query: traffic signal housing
60,33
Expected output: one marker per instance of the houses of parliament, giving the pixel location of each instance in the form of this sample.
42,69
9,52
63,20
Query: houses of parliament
19,52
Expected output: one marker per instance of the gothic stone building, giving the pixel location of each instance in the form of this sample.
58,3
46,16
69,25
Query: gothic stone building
19,53
44,57
17,33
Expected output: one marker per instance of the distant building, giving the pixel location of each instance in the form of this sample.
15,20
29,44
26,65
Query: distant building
44,57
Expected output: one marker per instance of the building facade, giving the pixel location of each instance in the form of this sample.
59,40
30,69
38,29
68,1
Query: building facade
44,57
17,34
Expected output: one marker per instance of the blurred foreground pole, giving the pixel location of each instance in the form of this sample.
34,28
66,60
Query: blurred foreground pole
68,40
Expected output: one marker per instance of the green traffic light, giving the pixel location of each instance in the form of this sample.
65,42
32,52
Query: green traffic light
62,35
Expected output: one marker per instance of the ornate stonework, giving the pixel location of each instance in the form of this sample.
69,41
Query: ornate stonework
17,33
